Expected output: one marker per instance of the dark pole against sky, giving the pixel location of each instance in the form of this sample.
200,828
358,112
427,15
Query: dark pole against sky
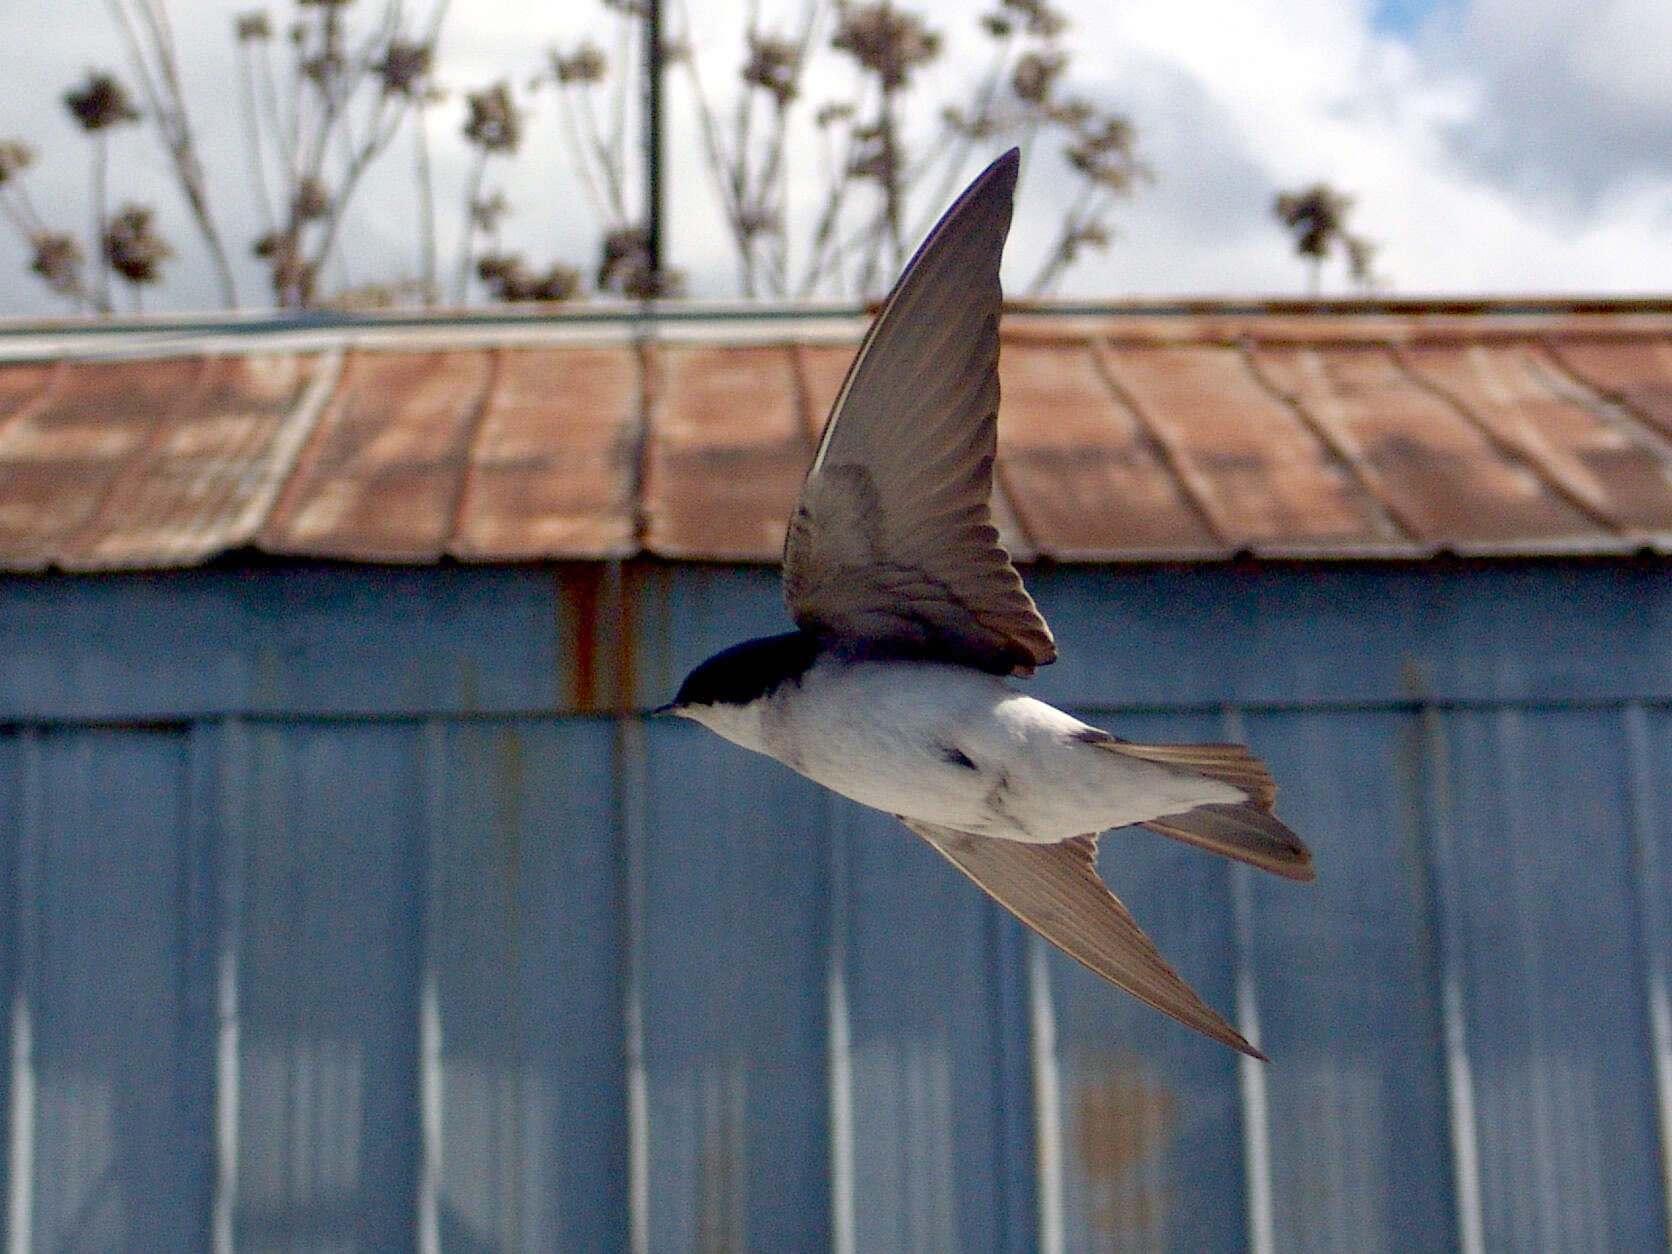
653,145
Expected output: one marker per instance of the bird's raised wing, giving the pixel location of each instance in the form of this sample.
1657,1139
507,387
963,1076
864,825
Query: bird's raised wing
892,543
1056,891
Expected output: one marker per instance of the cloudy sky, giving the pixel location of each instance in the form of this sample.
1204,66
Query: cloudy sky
1494,146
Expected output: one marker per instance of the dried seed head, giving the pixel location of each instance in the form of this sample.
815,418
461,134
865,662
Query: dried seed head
15,157
982,126
1102,151
323,68
832,112
625,267
586,64
57,259
133,247
773,64
1035,74
293,278
404,68
752,222
252,26
494,124
889,42
1076,115
1039,18
311,202
1361,254
509,279
1317,215
101,102
486,212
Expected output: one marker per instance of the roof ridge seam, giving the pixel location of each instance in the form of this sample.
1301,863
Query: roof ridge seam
1338,444
296,433
466,447
1510,447
1172,455
29,406
649,363
1608,400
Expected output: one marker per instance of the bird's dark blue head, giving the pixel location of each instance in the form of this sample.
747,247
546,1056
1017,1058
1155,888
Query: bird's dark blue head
746,672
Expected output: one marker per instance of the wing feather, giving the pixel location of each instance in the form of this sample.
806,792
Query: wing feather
1056,891
892,542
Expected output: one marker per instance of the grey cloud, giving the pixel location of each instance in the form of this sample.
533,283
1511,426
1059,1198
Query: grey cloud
1563,117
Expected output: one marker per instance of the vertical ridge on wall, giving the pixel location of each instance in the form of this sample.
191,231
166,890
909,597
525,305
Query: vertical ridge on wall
1251,1072
1652,872
432,1091
23,839
1463,1120
1047,1098
1559,1034
840,1030
1348,996
631,777
228,795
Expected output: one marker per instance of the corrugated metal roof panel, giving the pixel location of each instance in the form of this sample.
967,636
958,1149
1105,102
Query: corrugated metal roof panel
1131,433
206,482
1636,372
1087,479
728,449
69,451
1260,475
554,466
380,477
21,382
1526,403
1437,473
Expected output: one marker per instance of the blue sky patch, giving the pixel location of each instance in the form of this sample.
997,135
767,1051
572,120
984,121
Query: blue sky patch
1405,17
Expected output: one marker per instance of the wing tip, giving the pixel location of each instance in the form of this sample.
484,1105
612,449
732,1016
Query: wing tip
1015,874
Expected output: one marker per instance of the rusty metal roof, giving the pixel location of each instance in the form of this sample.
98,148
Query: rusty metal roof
1127,433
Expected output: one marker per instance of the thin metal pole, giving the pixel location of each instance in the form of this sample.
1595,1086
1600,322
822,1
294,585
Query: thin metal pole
653,145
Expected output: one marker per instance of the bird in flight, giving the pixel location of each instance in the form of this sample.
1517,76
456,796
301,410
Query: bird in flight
909,617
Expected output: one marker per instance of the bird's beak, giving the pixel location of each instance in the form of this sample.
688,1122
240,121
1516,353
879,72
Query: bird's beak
663,710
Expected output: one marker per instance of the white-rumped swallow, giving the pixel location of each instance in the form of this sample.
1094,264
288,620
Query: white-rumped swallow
909,616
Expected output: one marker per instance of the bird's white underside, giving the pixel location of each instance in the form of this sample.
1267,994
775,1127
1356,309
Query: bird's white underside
896,736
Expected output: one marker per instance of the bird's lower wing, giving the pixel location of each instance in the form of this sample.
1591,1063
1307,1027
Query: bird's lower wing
1056,891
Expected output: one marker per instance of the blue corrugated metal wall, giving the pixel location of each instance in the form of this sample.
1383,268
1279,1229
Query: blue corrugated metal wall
342,913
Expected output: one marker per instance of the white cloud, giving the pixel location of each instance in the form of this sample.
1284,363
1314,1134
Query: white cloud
1300,92
1512,146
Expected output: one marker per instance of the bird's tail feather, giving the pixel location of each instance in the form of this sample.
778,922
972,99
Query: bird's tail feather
1230,764
1247,831
1242,831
